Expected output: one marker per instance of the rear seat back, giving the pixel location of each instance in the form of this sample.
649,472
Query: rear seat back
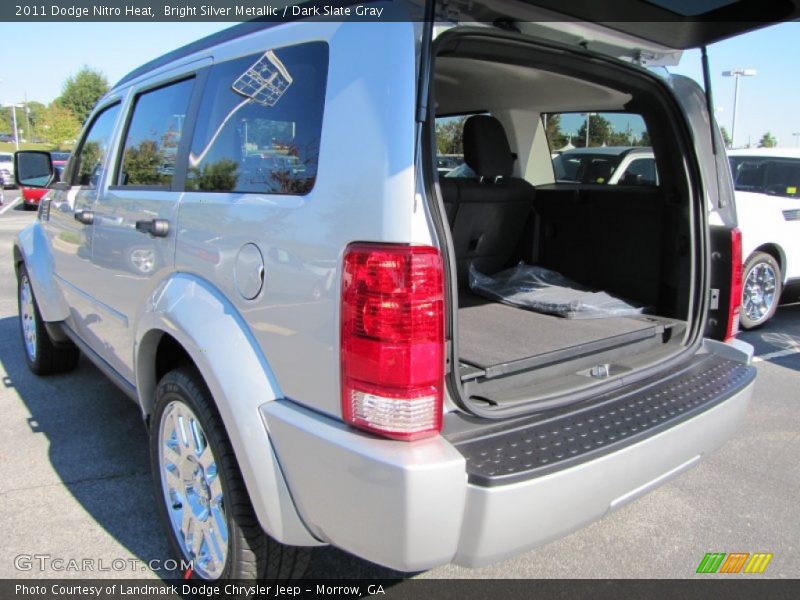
489,212
610,238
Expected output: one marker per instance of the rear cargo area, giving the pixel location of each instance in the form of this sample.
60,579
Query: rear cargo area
506,209
492,335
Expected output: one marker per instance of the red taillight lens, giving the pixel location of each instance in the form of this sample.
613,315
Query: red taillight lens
392,339
735,304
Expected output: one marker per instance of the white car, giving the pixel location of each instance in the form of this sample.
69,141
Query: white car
6,169
768,205
611,165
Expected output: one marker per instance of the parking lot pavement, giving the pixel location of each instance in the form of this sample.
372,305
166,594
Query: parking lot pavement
75,483
11,201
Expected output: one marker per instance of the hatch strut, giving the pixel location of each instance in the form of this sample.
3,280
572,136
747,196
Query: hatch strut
709,98
711,120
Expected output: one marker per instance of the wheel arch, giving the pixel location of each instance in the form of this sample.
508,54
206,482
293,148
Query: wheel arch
189,322
776,252
32,250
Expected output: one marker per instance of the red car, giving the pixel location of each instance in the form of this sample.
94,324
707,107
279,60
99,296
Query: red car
30,196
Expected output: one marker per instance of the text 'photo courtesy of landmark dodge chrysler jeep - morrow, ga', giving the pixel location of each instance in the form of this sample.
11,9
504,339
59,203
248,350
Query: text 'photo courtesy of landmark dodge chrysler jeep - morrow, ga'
332,344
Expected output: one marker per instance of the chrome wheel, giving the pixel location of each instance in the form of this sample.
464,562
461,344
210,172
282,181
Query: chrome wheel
143,260
760,289
27,316
192,490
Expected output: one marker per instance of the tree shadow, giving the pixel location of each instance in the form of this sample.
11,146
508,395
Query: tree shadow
98,448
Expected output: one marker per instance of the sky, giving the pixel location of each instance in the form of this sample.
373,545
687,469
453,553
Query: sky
45,54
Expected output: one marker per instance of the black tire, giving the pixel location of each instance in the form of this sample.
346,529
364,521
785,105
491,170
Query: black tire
41,354
761,289
251,553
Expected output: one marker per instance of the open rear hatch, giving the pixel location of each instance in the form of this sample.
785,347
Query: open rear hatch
508,206
623,28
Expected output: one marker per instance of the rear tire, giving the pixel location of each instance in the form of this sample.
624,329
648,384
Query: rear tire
195,469
761,289
43,357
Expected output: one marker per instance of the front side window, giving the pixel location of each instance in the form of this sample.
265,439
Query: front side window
154,134
260,123
91,157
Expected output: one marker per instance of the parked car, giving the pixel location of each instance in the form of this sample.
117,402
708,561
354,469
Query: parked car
607,165
447,162
767,182
402,417
32,196
6,169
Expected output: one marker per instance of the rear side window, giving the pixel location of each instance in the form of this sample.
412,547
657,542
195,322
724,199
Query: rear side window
154,134
260,123
773,176
91,156
591,148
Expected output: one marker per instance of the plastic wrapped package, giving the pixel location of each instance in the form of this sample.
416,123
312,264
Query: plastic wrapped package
542,290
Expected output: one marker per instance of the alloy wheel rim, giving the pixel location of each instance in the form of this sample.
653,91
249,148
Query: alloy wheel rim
759,291
27,317
193,490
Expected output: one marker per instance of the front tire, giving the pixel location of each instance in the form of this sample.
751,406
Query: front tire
201,496
41,354
761,290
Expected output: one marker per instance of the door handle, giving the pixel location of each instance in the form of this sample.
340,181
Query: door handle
155,227
84,216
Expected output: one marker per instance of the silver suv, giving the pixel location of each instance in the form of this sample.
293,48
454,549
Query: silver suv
253,241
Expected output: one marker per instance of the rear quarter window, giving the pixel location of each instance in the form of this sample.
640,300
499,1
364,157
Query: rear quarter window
591,148
260,123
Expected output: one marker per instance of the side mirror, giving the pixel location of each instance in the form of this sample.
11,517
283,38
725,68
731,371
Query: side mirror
33,168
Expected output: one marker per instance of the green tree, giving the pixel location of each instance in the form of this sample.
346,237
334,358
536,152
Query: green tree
599,132
726,137
58,125
767,141
644,140
220,176
449,135
555,136
141,165
82,91
619,138
5,121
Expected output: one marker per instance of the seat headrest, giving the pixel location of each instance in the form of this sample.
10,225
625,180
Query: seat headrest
486,149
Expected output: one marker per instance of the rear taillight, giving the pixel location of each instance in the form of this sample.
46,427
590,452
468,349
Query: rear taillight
392,339
735,303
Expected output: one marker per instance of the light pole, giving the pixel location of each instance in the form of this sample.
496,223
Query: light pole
14,108
737,73
588,126
796,135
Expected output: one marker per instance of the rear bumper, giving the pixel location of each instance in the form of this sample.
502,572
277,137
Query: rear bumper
503,521
415,506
